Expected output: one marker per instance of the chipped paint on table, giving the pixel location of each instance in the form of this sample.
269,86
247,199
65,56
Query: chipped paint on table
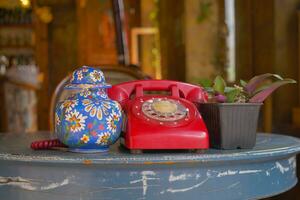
266,170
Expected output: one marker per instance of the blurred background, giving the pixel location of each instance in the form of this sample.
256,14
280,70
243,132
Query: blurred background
42,41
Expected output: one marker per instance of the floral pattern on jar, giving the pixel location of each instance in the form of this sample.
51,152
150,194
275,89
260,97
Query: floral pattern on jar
88,121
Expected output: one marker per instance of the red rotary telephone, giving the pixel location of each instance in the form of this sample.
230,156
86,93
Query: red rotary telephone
161,121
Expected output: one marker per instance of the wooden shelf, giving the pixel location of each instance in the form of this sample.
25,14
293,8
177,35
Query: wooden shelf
16,26
16,46
24,85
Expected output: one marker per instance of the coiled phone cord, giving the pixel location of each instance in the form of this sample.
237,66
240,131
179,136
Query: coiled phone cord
46,144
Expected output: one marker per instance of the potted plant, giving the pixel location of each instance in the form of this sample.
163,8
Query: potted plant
231,113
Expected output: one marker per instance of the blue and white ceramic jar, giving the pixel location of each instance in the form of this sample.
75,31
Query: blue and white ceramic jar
88,121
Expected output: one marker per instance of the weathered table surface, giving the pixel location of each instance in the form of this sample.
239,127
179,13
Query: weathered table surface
266,170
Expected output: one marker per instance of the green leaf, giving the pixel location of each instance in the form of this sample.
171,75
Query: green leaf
209,89
243,83
229,89
219,85
205,83
231,95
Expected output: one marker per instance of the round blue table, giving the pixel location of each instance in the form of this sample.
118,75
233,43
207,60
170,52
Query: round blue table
266,170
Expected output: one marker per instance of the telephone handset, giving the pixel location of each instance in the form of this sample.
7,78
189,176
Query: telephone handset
122,92
156,121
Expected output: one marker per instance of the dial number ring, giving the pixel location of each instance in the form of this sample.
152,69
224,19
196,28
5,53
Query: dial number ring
163,109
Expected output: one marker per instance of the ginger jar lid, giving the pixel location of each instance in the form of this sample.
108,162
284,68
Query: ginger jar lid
87,77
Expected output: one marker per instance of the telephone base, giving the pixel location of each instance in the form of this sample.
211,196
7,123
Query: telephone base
141,151
136,151
197,150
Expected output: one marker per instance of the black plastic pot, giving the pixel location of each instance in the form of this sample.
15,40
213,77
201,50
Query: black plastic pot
231,125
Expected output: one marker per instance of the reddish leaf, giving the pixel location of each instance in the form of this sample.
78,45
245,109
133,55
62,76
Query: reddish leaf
256,80
263,94
220,98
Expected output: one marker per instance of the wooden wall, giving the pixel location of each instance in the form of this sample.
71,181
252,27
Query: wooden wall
81,33
56,51
266,42
62,41
172,41
149,42
205,34
96,44
286,56
43,93
267,38
192,48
